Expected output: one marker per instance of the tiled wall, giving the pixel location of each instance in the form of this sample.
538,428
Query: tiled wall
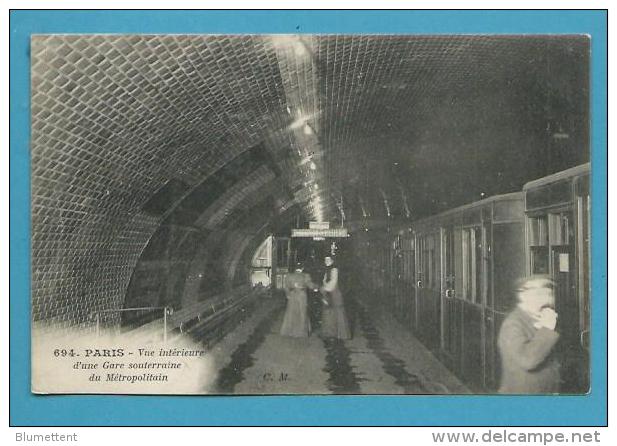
113,119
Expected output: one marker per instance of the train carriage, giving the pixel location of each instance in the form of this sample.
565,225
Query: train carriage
452,274
557,212
467,260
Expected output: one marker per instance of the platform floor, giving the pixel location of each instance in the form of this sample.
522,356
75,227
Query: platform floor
382,358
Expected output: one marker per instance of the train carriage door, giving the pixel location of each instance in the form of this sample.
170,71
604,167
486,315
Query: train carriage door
429,290
404,276
562,269
418,281
561,241
422,282
583,283
551,238
557,234
396,275
471,301
491,358
409,269
450,318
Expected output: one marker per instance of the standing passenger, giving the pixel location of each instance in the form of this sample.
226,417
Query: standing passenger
333,319
296,322
314,268
527,339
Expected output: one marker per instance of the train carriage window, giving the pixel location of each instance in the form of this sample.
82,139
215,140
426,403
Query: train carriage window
472,264
466,262
538,244
479,262
399,255
449,281
428,258
426,268
435,270
559,229
432,262
458,263
467,265
420,263
410,264
429,262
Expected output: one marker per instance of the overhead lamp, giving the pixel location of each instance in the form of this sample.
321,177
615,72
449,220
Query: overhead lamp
293,42
307,159
313,166
299,122
307,129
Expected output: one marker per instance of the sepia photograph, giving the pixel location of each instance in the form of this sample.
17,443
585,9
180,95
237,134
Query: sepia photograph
310,214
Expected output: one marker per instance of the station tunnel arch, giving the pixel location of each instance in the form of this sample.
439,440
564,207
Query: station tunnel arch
135,138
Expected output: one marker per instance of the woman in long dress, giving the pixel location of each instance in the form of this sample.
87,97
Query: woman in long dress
334,322
296,322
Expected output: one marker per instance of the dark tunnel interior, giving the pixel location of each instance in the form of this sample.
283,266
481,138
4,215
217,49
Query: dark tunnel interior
161,163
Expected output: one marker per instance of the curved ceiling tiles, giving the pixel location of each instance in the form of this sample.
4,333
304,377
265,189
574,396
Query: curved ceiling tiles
336,122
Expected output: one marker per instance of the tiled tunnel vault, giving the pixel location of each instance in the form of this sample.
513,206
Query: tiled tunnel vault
119,120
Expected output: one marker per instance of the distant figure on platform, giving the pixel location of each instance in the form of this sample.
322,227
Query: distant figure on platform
296,322
333,318
314,267
527,339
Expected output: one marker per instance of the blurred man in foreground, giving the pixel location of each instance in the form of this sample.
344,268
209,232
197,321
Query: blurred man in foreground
527,339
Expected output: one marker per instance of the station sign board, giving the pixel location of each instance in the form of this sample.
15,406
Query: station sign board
324,233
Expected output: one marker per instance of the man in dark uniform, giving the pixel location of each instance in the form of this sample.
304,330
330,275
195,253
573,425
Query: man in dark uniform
527,339
314,269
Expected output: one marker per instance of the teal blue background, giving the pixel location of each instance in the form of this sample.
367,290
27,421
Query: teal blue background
29,410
